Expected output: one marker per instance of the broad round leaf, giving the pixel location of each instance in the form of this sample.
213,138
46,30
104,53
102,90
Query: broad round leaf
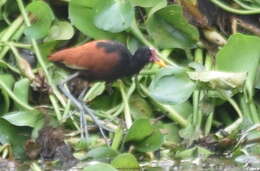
140,108
96,90
42,19
114,16
233,59
81,14
8,81
15,136
125,161
23,118
100,167
61,30
145,3
172,86
140,129
103,154
170,29
151,143
21,90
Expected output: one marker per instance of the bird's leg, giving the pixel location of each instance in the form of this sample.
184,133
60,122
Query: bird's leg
90,112
77,103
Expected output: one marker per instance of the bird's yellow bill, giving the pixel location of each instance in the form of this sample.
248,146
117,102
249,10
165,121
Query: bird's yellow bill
160,62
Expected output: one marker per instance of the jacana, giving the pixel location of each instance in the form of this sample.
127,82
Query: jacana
101,60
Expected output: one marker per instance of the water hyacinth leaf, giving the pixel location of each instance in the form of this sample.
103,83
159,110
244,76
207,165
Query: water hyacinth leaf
96,90
8,81
60,30
257,82
81,14
170,29
23,118
172,86
171,132
246,59
158,6
2,2
139,107
42,19
99,167
113,16
185,109
21,90
151,143
125,161
222,80
145,3
15,136
132,44
194,152
140,129
103,154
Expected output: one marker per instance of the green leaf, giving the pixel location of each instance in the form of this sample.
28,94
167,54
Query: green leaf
155,8
113,16
23,118
60,30
100,167
21,90
81,14
233,59
194,152
140,129
169,28
96,90
103,154
145,3
15,136
172,86
220,80
151,143
8,80
171,132
2,2
42,17
125,161
139,107
132,44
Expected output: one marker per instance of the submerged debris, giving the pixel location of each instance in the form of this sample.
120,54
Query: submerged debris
50,146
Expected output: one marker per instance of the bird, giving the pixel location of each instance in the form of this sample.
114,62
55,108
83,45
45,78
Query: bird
101,60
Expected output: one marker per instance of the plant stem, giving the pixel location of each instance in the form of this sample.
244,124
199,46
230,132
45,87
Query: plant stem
170,112
232,102
117,139
254,112
138,34
225,7
12,95
39,56
128,118
9,33
245,108
230,128
244,5
12,29
209,123
12,68
197,115
19,45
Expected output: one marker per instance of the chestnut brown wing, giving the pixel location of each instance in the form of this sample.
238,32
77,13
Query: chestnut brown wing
89,56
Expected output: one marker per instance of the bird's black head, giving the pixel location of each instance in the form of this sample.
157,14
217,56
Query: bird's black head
141,57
